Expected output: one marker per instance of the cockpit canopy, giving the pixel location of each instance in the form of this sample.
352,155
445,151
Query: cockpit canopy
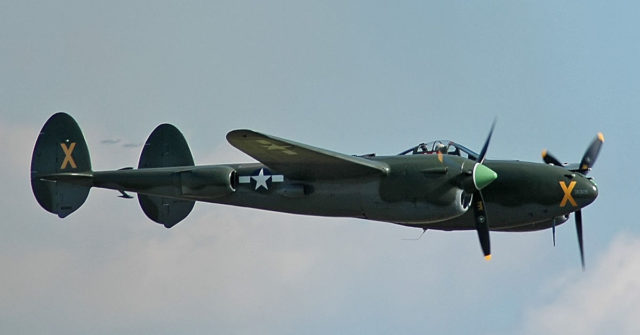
441,146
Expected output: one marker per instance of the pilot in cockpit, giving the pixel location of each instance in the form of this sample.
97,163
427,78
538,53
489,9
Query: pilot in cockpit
442,147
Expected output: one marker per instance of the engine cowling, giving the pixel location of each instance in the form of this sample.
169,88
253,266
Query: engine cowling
209,181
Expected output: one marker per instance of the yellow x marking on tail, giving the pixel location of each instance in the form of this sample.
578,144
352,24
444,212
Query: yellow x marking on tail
567,194
68,158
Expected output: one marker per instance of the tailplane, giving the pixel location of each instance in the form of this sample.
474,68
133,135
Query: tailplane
61,166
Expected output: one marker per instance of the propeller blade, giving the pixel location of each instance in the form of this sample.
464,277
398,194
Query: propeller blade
579,231
482,224
549,159
483,152
483,176
591,154
553,231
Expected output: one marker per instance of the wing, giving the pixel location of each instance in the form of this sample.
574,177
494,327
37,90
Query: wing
301,161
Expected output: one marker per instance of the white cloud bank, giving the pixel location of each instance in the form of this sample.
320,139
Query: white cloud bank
603,300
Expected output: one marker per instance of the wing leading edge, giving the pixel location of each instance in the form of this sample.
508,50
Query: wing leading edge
301,161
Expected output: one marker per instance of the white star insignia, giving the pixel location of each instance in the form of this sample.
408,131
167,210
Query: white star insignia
272,146
261,180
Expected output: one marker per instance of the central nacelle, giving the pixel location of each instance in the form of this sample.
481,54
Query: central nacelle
425,188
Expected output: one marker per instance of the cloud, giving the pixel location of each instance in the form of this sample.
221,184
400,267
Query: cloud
604,299
228,269
110,141
124,145
17,145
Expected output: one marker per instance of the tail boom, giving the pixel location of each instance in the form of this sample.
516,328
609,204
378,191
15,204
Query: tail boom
167,181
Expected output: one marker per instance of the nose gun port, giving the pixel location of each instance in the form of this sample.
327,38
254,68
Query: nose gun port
586,192
593,190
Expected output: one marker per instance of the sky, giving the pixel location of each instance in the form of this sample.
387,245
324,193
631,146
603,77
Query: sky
355,77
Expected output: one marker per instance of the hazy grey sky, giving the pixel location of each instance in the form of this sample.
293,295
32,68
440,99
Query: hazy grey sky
355,77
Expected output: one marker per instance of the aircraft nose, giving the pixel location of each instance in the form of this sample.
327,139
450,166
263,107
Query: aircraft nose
586,191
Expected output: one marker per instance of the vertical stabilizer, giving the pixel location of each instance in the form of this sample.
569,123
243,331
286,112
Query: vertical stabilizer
165,147
60,149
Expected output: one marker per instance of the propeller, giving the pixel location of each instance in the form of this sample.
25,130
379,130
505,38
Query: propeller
482,225
483,152
549,159
474,177
482,176
590,156
579,231
588,159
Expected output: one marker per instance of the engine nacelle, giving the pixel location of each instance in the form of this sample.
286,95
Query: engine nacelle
209,181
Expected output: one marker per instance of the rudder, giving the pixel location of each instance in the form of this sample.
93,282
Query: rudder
60,148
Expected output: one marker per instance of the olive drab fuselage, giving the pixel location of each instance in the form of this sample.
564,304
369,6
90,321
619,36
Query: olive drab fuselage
439,185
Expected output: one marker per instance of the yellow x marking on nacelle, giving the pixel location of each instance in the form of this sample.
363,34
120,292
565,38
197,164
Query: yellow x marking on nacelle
567,193
68,158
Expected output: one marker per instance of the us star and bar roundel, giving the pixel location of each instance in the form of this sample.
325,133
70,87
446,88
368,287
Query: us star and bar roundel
261,179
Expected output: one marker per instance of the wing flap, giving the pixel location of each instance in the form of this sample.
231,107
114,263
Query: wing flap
301,161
